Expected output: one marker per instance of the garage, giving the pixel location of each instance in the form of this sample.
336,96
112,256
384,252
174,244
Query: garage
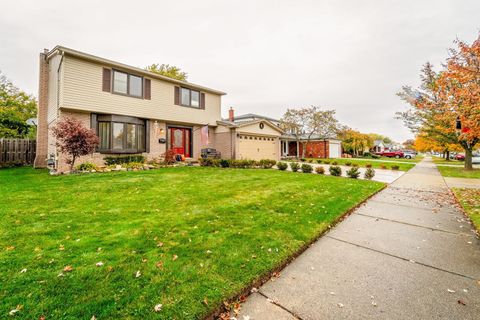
257,147
334,148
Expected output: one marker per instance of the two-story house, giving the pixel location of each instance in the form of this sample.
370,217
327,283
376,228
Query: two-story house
134,111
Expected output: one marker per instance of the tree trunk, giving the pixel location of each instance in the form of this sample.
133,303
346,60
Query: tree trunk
447,155
72,163
468,159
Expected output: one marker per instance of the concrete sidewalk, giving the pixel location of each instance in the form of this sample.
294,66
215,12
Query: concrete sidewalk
408,253
462,183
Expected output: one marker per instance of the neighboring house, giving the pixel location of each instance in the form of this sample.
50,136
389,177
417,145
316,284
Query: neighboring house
379,146
134,111
317,147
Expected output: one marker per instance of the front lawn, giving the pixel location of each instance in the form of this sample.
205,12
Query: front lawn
440,161
470,201
376,163
187,238
459,172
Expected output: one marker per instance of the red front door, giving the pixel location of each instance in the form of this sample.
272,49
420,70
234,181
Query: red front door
180,141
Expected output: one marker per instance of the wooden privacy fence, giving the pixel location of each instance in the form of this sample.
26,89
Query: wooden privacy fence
17,151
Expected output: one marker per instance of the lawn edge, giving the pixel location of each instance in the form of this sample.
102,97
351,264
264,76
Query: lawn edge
457,201
246,291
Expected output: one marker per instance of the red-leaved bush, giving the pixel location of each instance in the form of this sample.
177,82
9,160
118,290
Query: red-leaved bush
74,139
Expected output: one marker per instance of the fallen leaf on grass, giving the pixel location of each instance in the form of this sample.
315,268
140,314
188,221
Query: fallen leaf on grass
99,264
175,257
61,248
160,244
67,269
158,307
23,270
138,274
159,264
205,301
10,248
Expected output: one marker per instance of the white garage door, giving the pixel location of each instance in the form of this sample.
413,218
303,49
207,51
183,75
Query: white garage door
257,147
334,149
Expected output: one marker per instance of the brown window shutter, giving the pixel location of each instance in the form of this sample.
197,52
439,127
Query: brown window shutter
107,79
202,100
147,89
177,95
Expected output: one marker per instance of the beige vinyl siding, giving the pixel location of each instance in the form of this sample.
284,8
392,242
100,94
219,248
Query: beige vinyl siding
254,128
82,82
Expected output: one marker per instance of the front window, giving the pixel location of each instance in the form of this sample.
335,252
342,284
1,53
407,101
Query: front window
124,83
120,81
118,134
135,85
121,134
190,98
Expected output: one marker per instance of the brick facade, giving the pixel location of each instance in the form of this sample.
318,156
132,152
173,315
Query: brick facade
314,149
42,112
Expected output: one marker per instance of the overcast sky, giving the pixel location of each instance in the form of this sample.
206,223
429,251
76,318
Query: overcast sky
351,56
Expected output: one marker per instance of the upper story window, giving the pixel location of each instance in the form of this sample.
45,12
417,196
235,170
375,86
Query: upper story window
127,84
190,98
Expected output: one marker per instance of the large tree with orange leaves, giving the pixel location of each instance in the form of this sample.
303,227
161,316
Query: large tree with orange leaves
451,94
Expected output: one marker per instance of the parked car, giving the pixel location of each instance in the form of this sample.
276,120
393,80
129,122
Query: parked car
476,159
460,157
391,154
409,155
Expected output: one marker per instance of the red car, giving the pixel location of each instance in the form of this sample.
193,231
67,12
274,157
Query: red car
391,154
460,157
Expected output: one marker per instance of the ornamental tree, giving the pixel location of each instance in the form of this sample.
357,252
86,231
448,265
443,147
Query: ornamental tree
74,139
445,96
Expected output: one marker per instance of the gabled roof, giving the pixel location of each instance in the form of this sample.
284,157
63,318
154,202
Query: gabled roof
107,62
247,123
254,116
378,142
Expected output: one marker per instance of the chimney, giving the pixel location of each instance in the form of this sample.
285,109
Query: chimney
42,111
231,115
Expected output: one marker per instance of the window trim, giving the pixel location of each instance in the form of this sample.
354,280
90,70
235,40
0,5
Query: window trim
190,98
128,94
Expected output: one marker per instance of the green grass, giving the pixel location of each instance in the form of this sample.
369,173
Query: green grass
375,164
470,201
441,161
459,172
227,227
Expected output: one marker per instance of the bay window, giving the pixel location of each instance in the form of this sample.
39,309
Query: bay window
120,134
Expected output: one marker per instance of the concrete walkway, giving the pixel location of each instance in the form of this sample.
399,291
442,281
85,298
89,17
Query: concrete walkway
408,253
462,183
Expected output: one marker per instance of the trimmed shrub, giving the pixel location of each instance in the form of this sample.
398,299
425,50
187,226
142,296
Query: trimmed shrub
320,170
306,168
294,166
367,155
124,159
348,164
224,163
310,160
282,166
395,167
266,163
335,171
353,173
382,166
302,159
368,165
134,165
243,164
369,174
319,161
374,156
87,166
355,165
335,163
326,161
205,162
